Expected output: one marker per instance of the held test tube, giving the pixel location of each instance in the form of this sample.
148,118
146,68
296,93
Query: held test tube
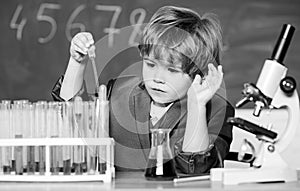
102,113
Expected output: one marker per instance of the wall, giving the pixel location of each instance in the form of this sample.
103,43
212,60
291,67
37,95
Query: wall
35,37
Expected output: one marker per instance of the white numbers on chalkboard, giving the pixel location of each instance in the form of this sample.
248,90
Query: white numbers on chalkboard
71,25
45,18
137,24
14,25
47,13
111,30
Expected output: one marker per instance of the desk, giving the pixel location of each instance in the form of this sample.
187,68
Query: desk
136,181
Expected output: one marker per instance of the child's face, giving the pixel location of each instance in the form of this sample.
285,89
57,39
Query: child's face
164,82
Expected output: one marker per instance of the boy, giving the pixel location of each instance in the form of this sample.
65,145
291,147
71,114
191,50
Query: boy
179,90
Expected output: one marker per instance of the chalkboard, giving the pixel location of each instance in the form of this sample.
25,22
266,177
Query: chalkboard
35,38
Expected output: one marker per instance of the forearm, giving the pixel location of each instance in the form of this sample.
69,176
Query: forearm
196,137
73,79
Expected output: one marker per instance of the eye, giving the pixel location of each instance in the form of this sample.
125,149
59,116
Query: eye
149,64
174,70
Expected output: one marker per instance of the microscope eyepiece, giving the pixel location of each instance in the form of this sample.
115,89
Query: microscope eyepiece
283,43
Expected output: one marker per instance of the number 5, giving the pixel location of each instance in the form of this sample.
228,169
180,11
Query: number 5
41,17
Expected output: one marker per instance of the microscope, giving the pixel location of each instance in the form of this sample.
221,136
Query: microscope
273,90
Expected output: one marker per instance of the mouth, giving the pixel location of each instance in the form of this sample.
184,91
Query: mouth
158,90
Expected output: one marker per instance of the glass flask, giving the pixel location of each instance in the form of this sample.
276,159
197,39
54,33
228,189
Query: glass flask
160,162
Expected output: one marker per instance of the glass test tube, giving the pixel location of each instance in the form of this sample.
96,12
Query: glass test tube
25,130
52,129
2,135
102,116
41,129
66,113
36,134
60,134
2,157
31,165
6,126
91,133
84,134
18,132
78,126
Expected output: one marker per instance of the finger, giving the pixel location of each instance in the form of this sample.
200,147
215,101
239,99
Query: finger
87,39
90,39
79,45
212,68
82,40
79,49
91,51
197,79
220,69
77,57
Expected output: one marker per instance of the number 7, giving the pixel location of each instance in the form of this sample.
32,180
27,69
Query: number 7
111,30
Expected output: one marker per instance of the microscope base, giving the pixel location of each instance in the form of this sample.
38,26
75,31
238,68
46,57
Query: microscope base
236,176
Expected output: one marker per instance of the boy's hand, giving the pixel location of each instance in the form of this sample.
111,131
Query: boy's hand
202,90
80,45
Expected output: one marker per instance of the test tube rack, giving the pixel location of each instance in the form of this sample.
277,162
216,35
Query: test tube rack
50,142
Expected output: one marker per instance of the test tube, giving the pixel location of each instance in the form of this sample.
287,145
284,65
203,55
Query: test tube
25,130
6,131
52,129
102,113
41,130
31,165
60,134
18,132
2,158
66,109
84,134
90,129
2,128
36,134
78,126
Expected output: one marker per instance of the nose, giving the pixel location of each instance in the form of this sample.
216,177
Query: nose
159,77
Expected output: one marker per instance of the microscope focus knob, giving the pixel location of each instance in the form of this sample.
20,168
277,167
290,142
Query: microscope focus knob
288,85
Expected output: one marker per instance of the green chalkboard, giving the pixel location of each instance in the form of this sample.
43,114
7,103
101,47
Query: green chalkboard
35,38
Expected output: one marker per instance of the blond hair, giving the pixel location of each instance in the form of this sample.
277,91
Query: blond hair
178,34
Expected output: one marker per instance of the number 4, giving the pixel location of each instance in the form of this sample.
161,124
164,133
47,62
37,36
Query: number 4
14,25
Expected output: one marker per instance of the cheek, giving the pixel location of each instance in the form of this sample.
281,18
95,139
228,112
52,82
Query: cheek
180,89
145,73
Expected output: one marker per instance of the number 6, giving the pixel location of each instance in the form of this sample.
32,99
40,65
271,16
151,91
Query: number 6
71,25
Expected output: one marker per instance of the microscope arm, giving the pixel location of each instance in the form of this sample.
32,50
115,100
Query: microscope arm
291,103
